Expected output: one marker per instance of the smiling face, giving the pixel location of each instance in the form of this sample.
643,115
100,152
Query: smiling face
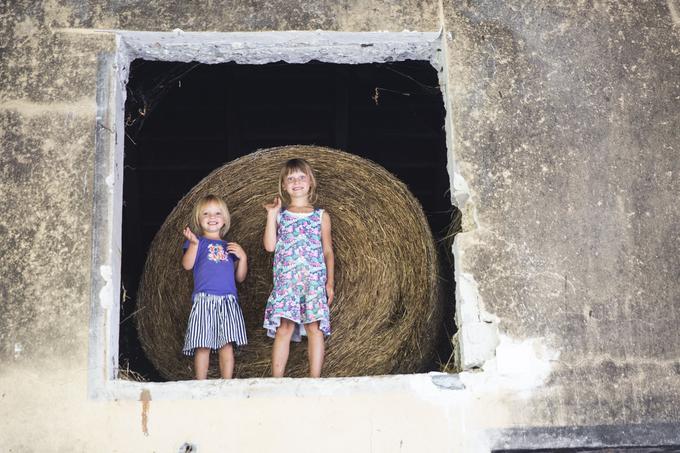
296,184
211,216
212,219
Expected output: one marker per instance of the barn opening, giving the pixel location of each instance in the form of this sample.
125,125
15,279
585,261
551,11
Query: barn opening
183,120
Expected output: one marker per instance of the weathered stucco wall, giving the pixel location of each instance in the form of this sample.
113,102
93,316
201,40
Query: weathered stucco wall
564,123
567,121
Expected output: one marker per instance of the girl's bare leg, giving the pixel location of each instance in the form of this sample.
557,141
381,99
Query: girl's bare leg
201,362
281,347
226,354
315,348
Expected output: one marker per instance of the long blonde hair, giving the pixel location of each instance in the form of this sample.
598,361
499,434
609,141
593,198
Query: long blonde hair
200,204
300,165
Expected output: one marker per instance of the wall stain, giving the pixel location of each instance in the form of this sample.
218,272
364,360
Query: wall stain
145,398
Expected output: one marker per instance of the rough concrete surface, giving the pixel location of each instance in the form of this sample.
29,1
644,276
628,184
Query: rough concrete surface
234,15
45,186
564,127
567,121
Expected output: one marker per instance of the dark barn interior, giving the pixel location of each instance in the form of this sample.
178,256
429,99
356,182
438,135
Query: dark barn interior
183,120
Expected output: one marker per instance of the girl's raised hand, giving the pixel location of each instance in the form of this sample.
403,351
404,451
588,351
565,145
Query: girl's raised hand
274,207
191,237
235,249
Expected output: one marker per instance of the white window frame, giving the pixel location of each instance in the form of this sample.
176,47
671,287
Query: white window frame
242,48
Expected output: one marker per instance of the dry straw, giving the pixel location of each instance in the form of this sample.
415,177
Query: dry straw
386,311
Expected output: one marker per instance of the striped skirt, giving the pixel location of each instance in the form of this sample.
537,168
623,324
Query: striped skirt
214,322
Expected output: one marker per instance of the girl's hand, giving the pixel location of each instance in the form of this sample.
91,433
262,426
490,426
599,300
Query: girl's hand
241,266
234,248
269,237
330,293
274,207
189,257
191,237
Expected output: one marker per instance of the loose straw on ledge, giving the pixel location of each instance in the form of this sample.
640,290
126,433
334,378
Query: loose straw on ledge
386,309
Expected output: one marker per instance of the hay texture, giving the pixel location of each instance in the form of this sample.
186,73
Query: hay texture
386,305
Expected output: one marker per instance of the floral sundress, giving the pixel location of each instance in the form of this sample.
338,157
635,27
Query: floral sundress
299,292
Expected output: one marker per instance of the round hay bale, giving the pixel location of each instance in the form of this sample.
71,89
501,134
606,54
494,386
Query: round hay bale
385,314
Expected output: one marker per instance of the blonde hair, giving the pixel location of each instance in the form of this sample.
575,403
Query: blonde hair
200,204
300,165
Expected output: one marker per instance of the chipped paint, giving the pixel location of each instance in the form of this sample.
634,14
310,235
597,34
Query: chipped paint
477,336
520,365
525,364
518,369
18,349
106,294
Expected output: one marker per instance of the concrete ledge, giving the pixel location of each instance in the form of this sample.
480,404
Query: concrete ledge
431,385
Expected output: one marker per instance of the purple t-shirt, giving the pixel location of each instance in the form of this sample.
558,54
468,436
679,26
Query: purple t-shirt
213,268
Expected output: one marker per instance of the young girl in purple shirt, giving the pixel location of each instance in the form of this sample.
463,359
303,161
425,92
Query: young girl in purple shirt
216,321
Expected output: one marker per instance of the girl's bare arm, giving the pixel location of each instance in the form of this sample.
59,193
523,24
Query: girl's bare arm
241,265
269,238
328,255
189,257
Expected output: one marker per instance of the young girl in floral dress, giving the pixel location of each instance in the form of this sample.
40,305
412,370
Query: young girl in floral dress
300,236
